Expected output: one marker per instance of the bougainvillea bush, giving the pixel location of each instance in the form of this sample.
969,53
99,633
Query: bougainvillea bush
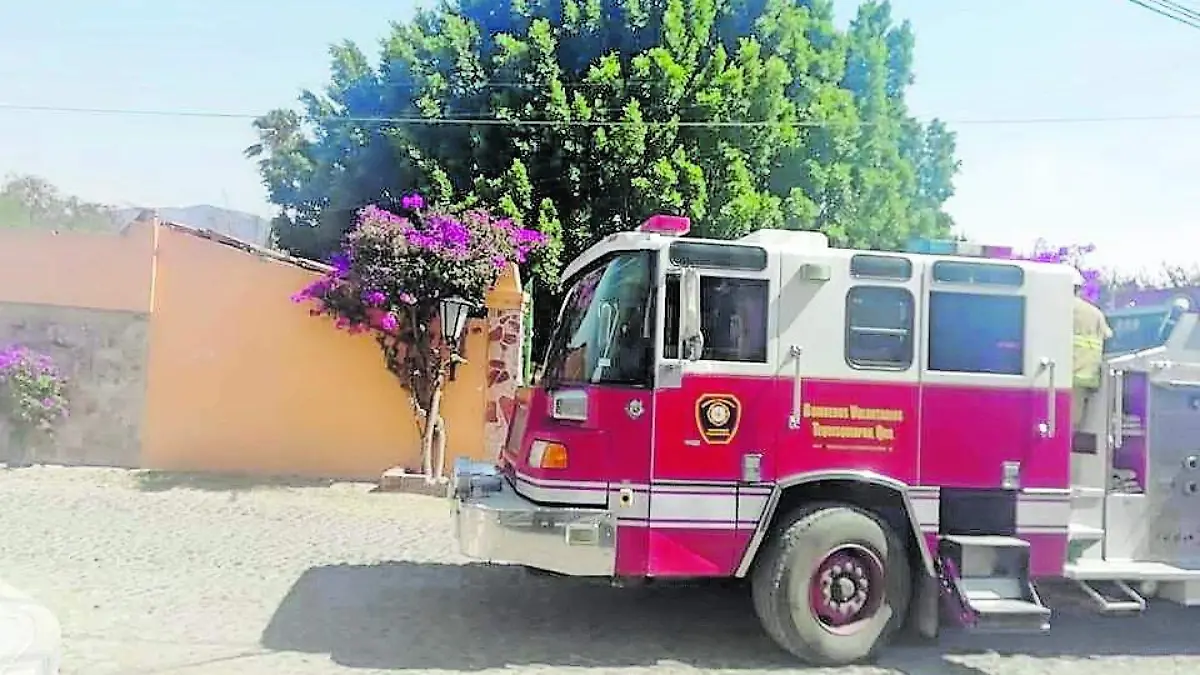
33,394
1075,256
390,277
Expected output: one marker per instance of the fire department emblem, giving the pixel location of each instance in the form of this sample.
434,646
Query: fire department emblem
718,414
717,417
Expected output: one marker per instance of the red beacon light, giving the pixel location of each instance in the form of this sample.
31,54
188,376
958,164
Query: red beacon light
671,226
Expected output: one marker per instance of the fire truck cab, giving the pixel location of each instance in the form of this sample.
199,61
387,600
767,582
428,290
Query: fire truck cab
872,440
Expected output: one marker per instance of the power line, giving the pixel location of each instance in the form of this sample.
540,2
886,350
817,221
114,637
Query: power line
507,122
1166,9
1171,10
1179,7
125,112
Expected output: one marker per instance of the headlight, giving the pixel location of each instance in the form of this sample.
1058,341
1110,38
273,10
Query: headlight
548,455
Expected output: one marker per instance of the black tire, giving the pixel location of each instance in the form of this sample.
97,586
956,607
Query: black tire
784,574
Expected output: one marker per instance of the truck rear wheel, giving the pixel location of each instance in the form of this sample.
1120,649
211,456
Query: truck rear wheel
833,585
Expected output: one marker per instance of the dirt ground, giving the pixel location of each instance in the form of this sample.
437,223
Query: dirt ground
153,573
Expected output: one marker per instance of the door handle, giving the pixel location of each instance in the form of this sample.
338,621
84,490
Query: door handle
1116,424
1048,428
795,351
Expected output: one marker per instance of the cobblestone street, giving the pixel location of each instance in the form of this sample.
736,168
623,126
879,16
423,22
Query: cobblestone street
151,574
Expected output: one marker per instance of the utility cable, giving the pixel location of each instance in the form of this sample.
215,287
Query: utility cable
507,122
1177,7
1161,9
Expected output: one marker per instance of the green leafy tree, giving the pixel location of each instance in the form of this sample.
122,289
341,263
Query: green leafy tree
33,202
579,118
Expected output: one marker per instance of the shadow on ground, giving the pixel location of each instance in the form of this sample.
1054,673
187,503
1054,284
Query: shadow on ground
160,481
472,617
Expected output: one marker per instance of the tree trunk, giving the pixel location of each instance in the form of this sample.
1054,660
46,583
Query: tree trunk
432,416
426,457
439,466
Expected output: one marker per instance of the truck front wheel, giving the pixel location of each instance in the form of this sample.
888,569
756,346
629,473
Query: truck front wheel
833,585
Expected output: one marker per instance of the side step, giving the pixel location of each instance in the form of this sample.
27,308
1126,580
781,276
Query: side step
1123,577
1113,597
986,585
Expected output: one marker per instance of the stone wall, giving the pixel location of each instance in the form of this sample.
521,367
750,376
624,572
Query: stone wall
504,374
103,353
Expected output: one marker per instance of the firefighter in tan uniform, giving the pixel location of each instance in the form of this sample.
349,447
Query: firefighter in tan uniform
1091,330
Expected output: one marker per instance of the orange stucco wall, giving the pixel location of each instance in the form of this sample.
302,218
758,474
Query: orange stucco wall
240,379
71,269
237,378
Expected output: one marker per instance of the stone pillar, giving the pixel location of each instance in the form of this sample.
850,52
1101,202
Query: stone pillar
504,374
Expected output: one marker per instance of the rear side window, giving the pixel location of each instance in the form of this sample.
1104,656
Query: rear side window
879,327
976,333
868,266
951,271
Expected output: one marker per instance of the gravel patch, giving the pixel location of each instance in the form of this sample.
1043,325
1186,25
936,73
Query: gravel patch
153,573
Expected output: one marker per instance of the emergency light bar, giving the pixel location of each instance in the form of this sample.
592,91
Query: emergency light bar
671,226
965,249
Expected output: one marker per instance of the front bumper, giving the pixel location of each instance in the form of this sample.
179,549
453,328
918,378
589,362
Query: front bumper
495,524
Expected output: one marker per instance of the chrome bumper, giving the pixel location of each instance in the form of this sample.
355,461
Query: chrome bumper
495,524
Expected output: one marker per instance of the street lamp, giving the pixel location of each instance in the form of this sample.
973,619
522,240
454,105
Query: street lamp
455,312
454,320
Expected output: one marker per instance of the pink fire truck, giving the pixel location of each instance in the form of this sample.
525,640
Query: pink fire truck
873,441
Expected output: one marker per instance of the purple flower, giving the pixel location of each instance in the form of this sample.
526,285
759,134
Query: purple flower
373,213
389,323
455,233
431,252
1071,255
525,237
341,264
31,388
374,298
422,240
314,290
412,202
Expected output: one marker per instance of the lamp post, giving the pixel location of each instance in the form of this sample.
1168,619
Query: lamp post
455,312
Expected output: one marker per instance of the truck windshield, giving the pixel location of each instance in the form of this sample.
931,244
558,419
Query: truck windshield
605,333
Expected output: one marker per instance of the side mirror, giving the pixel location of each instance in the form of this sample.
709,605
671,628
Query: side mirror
1178,308
691,337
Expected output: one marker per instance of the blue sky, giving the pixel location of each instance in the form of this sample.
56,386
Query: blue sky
1127,187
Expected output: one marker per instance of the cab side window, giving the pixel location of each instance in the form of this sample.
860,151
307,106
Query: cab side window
733,318
879,327
976,333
